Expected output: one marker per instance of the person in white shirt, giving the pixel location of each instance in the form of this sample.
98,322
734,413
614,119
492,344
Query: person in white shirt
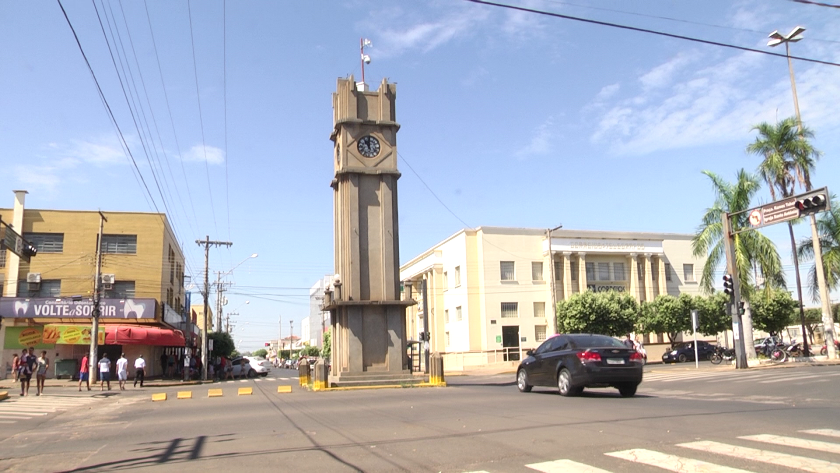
104,372
122,371
139,370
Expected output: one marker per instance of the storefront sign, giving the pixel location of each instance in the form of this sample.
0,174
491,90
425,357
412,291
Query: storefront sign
20,307
47,336
606,246
594,288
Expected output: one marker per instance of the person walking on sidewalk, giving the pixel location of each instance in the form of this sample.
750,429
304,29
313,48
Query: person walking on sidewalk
43,364
84,371
104,372
15,366
187,367
24,373
122,371
139,370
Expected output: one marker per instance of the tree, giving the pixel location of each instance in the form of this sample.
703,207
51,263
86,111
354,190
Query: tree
261,352
755,253
311,351
327,351
667,314
828,228
222,344
773,310
712,313
607,313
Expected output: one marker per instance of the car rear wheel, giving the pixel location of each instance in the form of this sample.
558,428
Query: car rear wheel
252,373
522,382
627,390
682,358
564,384
264,374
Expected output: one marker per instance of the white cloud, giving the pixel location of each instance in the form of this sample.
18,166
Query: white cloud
424,36
198,153
541,140
662,75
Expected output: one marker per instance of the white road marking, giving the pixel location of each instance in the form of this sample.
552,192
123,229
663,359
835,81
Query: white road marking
795,442
564,466
791,378
826,432
792,461
671,462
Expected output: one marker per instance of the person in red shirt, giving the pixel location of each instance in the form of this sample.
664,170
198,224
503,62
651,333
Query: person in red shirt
84,372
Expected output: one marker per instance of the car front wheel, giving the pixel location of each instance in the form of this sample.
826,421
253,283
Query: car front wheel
682,358
522,382
252,373
564,384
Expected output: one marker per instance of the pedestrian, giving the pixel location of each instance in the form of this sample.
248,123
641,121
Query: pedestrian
164,361
43,364
104,372
84,371
139,370
228,369
24,372
170,365
628,342
122,371
187,367
15,366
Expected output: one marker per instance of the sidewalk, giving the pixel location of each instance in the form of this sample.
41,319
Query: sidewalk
9,384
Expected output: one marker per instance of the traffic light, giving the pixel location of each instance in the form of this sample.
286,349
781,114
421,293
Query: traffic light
422,336
813,204
741,309
267,344
29,250
728,286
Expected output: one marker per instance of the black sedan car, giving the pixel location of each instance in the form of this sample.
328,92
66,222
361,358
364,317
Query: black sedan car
576,361
685,352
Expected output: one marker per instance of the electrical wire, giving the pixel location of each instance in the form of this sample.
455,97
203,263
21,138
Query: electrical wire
649,31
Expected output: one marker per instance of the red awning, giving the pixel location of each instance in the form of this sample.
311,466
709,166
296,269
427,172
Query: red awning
138,335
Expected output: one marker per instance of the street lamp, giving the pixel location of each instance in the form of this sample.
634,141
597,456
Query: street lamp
776,39
551,272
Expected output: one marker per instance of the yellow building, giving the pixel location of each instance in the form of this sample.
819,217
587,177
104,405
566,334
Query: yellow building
47,302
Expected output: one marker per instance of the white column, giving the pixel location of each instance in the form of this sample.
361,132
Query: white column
648,278
663,286
582,272
567,275
634,276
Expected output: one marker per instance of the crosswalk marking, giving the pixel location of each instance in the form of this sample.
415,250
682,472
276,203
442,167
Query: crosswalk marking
825,432
672,462
817,445
796,378
793,461
16,409
564,466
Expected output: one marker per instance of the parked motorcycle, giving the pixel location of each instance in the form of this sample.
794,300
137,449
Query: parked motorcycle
824,349
721,354
773,349
794,349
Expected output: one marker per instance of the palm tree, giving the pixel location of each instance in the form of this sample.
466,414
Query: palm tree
756,254
828,228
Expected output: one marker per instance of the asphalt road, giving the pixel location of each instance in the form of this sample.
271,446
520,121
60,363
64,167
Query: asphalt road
479,423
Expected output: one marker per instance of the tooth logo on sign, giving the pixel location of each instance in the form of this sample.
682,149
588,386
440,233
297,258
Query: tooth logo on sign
21,307
133,309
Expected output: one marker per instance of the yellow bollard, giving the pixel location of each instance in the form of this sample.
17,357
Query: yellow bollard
158,397
284,389
184,394
214,393
245,391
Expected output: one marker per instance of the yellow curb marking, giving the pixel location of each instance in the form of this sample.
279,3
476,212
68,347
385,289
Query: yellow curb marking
158,397
284,389
245,391
214,393
184,394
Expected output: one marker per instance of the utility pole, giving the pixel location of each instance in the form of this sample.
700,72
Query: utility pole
221,287
97,289
207,243
280,337
291,334
228,320
732,269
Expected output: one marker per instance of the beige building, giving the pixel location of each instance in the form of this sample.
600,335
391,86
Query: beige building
490,289
47,302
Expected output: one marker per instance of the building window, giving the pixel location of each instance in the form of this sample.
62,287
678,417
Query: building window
573,268
2,259
539,333
510,310
539,309
457,276
46,288
558,270
508,271
603,271
458,315
618,271
536,271
46,242
171,266
119,244
688,270
445,280
667,271
590,271
121,290
447,338
640,267
653,274
446,316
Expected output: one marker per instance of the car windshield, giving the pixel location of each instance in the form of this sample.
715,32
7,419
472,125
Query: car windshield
595,341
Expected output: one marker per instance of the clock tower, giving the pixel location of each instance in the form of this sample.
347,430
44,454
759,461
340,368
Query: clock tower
367,315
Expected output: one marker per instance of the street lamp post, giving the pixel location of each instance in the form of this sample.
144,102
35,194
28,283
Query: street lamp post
776,39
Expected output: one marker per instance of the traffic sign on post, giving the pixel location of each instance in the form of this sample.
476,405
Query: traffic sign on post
15,243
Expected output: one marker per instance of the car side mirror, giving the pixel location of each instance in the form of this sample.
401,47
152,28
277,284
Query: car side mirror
530,352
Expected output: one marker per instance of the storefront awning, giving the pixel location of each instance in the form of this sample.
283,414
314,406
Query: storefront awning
137,335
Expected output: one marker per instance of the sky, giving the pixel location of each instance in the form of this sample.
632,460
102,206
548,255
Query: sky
508,118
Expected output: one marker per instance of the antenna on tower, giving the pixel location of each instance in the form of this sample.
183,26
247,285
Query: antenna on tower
365,60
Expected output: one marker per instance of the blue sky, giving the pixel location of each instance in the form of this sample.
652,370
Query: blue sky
511,118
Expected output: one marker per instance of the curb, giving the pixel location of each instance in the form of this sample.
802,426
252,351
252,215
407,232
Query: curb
4,395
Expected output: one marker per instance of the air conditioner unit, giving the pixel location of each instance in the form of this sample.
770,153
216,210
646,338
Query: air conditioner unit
34,278
108,281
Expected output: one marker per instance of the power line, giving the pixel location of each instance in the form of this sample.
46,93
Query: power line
649,31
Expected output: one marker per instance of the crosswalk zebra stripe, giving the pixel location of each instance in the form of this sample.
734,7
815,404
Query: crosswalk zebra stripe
792,461
672,462
792,378
825,432
564,466
817,445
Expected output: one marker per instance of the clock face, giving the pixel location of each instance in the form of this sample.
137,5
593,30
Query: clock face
368,146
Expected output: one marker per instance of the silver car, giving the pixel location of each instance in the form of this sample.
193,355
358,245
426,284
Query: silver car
259,365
